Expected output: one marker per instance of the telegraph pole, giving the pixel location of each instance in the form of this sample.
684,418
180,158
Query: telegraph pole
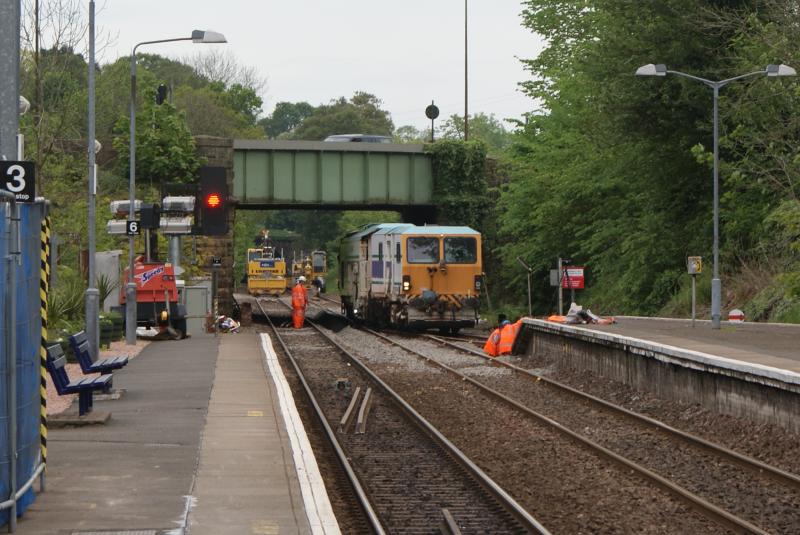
466,78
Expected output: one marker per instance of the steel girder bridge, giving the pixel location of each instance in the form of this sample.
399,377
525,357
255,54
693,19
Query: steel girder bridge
336,176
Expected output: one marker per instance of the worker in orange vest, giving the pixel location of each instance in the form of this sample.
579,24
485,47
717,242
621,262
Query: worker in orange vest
490,348
507,336
299,303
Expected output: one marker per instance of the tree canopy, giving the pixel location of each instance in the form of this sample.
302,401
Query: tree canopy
362,114
614,171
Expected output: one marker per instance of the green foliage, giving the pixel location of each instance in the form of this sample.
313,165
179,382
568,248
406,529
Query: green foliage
65,304
605,174
482,127
285,118
362,114
106,286
165,150
411,134
460,191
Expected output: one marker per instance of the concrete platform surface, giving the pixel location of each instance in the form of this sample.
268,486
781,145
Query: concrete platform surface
246,480
774,345
197,445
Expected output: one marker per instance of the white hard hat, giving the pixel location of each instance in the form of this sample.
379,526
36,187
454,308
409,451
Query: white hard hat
301,279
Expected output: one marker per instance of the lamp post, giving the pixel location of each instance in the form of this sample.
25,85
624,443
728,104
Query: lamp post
771,71
198,36
92,293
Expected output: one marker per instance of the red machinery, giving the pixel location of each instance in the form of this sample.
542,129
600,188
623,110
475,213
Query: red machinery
156,298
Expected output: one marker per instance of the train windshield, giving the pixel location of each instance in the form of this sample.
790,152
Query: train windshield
423,250
460,250
253,254
318,261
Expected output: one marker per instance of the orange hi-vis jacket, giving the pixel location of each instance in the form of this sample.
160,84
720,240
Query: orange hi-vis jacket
507,337
299,296
490,348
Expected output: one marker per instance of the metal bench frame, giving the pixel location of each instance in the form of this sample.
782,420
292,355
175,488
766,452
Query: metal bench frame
84,386
80,346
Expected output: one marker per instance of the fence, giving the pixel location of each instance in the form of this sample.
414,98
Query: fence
21,322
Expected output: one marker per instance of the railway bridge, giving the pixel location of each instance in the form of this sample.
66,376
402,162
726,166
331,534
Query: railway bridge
314,175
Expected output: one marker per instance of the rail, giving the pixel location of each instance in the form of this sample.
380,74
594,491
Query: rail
361,495
781,476
711,511
509,504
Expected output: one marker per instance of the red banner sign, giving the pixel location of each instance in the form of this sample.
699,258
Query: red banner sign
573,278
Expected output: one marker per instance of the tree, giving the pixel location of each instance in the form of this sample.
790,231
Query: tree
165,150
605,173
411,134
285,118
360,115
220,65
482,127
208,112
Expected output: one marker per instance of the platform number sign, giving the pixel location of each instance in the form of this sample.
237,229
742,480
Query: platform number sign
19,178
132,227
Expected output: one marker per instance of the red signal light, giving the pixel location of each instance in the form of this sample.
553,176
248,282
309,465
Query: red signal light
213,200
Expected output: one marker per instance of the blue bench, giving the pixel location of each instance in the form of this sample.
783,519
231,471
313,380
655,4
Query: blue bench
84,386
80,346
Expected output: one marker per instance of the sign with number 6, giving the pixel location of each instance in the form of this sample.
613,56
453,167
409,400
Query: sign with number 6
19,178
132,228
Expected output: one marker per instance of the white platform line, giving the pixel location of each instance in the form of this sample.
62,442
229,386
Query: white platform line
315,496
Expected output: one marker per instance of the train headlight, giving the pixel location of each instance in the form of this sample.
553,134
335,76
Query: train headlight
406,283
478,283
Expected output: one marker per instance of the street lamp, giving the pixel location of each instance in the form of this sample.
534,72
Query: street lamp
661,70
198,36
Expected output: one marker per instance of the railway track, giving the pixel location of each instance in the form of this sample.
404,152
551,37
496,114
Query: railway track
736,491
710,479
408,477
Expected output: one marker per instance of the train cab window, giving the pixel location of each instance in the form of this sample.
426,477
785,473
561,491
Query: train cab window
253,254
380,252
397,255
423,250
460,250
318,262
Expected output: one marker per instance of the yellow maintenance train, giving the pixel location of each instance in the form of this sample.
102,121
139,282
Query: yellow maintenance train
266,272
412,276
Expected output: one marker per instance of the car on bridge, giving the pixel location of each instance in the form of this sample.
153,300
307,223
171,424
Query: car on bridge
359,138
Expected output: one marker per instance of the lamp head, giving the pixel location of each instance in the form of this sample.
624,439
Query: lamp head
24,105
207,36
650,69
97,146
780,70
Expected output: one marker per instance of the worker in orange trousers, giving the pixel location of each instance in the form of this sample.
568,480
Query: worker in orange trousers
490,348
299,303
508,334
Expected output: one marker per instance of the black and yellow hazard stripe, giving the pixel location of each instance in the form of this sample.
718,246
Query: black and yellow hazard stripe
44,289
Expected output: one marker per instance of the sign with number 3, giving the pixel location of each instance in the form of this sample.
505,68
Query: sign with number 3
19,178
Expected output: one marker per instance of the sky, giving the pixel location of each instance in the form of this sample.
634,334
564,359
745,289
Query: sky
405,52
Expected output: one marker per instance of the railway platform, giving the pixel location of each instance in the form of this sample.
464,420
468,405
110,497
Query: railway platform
198,444
764,344
743,369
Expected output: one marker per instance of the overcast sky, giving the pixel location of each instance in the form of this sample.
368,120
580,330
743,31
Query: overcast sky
406,52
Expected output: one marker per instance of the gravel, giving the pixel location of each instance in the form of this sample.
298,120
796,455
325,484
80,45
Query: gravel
569,489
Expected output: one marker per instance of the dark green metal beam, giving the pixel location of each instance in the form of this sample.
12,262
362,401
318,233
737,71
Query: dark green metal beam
306,174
